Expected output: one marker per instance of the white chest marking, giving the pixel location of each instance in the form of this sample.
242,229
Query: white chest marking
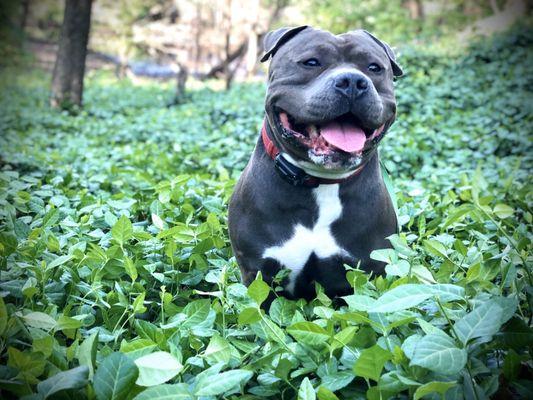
294,253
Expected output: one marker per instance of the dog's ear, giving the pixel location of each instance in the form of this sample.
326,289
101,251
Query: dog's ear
274,39
396,69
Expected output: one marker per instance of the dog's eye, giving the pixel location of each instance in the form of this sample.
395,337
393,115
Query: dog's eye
374,68
312,62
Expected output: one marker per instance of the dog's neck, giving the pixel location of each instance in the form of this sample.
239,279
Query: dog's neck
302,173
310,169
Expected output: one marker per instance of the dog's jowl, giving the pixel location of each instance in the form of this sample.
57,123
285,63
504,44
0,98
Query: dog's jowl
312,197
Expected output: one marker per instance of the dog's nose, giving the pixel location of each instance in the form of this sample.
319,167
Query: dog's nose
351,84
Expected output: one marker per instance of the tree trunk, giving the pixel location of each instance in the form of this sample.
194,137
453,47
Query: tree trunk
416,9
198,37
181,83
24,15
218,69
251,52
69,69
228,75
494,6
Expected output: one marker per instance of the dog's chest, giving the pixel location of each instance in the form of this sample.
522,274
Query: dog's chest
296,251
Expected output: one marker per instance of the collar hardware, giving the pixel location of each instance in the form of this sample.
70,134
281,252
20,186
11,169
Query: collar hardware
291,173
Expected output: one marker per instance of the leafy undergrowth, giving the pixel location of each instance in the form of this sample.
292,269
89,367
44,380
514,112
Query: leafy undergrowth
118,282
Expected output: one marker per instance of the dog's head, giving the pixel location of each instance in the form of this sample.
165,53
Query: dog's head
330,98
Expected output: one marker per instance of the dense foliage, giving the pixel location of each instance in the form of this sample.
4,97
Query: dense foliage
118,282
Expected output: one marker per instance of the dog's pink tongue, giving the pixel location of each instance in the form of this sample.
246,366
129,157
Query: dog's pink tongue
344,136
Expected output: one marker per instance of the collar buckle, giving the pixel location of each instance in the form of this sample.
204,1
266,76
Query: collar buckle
293,174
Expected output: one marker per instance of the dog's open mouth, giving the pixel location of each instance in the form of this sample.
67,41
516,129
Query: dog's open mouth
343,133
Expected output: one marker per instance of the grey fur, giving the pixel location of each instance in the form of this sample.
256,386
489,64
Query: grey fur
264,208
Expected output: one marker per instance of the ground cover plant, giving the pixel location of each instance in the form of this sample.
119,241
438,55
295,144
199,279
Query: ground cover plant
118,282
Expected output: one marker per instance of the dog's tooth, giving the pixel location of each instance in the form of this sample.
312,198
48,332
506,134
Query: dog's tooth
313,131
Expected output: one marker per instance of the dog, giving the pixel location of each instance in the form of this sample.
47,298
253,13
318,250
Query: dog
312,197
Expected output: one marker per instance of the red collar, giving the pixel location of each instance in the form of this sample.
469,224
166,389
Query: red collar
293,174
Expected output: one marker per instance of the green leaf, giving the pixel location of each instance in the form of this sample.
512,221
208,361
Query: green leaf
337,380
214,385
59,261
401,298
8,244
342,338
282,310
272,331
511,365
484,320
503,211
43,344
181,233
447,292
439,353
50,218
122,231
400,268
130,268
218,350
3,316
87,352
360,302
306,390
110,219
410,295
65,322
390,383
516,334
308,333
387,256
137,348
409,345
457,214
524,388
75,378
371,361
433,387
197,311
158,222
39,320
157,368
249,316
423,274
435,248
283,369
508,305
138,303
30,288
178,391
428,328
115,377
326,394
258,290
29,365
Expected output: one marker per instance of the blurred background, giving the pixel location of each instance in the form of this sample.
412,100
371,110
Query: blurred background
221,39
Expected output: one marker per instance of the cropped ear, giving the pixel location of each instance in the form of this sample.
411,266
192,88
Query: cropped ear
396,70
275,39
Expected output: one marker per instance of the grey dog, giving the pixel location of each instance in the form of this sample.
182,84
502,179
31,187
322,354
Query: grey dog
312,197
